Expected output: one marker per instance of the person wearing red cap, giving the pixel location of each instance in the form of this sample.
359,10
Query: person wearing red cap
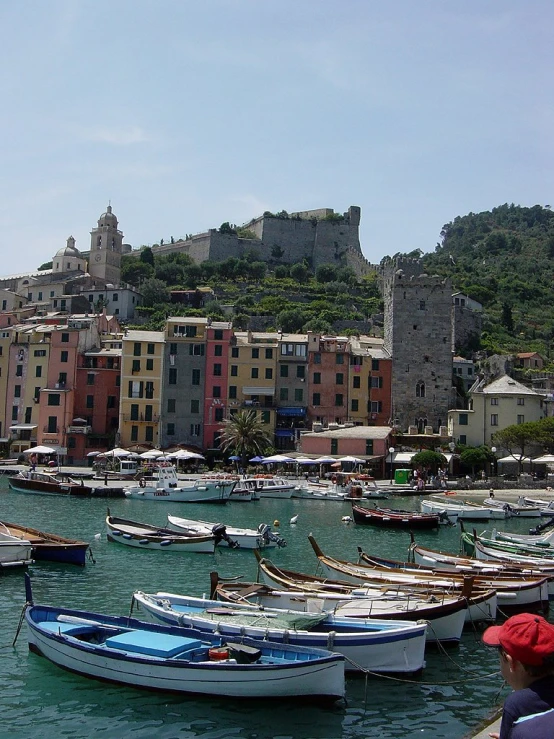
526,644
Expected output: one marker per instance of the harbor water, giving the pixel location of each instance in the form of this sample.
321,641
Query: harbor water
458,689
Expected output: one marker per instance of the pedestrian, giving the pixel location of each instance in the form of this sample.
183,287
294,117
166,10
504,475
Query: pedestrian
526,646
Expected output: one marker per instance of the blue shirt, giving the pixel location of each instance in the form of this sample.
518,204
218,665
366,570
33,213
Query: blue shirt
539,726
537,698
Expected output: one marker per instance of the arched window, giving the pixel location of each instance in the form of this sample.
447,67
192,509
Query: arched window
421,423
420,389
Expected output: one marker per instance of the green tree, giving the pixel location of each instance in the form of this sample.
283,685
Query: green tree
326,273
517,438
154,292
147,256
299,272
476,458
135,271
291,320
428,459
244,435
226,228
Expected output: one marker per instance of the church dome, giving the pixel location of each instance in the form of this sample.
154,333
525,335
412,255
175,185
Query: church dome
69,250
108,218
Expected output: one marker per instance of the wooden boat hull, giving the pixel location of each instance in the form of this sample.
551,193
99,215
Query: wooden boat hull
394,520
50,547
142,655
376,645
35,484
445,618
148,537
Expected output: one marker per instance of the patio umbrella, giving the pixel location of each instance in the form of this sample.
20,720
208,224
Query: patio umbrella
325,460
93,454
545,459
117,452
234,458
277,458
352,460
185,454
152,454
305,460
40,450
256,459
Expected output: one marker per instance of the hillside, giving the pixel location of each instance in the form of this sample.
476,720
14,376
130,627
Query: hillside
503,258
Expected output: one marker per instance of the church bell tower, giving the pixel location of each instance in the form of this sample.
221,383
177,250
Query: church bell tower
106,242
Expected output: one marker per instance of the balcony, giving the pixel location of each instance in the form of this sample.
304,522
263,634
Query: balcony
50,429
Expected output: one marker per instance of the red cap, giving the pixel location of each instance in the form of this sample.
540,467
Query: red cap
525,637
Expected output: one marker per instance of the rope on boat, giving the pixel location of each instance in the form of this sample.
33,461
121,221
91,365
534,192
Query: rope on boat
20,624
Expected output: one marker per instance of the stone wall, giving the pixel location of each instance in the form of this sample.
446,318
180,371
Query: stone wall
467,326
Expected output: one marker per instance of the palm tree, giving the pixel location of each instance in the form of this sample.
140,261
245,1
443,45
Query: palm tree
244,435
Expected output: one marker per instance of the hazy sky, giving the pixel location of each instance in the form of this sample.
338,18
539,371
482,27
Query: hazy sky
188,113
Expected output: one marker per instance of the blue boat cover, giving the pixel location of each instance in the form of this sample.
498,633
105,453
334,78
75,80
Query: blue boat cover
152,643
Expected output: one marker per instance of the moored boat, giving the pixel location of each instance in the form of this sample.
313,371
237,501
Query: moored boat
48,483
367,644
49,547
166,487
395,519
261,538
145,655
149,536
446,616
14,552
462,510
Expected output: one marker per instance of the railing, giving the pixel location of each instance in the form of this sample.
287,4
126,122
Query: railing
51,430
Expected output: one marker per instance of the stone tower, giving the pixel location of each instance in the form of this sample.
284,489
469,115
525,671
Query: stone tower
418,335
106,242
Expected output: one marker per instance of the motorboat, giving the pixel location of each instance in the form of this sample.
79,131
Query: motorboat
166,487
266,486
261,538
462,510
14,552
395,519
48,483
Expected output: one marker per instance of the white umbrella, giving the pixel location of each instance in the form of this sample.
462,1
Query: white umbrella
117,452
185,454
352,460
277,458
325,460
152,454
93,454
305,460
40,450
545,459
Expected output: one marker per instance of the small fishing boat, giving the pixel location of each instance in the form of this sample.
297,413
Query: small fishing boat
166,487
49,547
14,552
482,601
546,506
445,616
512,548
519,508
462,510
545,540
515,593
367,644
152,537
138,654
395,519
261,538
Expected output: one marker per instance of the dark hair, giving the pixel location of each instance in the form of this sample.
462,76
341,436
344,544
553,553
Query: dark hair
547,667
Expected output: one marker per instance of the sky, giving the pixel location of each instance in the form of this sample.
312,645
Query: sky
186,114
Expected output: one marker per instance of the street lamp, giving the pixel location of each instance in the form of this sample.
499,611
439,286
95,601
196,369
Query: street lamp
391,452
493,450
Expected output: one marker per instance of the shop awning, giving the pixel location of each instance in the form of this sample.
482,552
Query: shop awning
284,433
291,411
23,427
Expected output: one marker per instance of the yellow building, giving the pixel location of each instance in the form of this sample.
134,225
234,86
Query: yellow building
252,375
141,388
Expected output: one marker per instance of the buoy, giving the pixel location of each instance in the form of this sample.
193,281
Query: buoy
217,654
276,523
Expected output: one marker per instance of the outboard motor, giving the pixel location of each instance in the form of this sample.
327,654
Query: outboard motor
267,535
219,530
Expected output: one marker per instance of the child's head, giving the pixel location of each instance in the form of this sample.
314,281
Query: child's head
527,638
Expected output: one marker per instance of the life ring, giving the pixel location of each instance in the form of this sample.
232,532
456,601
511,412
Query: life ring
142,482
